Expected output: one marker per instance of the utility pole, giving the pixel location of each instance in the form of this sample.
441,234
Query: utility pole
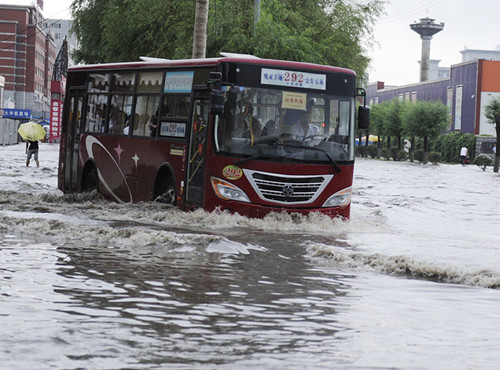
200,29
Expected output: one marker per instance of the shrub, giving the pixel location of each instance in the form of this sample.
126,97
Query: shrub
402,155
361,150
384,153
434,157
394,153
482,161
418,155
372,151
449,145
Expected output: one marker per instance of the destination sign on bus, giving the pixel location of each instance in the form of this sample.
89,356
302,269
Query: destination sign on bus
281,77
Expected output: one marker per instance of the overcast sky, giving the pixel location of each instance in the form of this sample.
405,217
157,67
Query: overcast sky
470,23
58,9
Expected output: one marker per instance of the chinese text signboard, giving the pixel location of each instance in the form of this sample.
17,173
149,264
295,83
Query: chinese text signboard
179,82
55,112
16,113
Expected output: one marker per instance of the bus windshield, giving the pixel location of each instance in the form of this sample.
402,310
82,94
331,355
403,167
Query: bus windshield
274,124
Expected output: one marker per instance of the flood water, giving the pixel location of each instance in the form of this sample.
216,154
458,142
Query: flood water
411,281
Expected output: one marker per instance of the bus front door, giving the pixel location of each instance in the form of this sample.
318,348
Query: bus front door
73,140
195,174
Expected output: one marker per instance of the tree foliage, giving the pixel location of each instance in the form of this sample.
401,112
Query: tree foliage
124,30
386,120
332,32
492,113
449,145
394,124
425,119
378,115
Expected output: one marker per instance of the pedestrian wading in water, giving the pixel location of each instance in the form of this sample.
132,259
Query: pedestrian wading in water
32,150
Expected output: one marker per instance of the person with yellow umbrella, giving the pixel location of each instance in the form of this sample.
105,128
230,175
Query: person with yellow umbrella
31,132
32,149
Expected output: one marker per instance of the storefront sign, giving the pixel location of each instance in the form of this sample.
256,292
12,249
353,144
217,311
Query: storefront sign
16,113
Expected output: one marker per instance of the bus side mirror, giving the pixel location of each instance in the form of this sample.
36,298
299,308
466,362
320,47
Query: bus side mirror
217,101
363,118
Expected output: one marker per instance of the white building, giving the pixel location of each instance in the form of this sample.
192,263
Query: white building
61,28
476,54
436,72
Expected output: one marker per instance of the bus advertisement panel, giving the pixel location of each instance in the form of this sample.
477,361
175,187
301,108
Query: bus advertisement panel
248,135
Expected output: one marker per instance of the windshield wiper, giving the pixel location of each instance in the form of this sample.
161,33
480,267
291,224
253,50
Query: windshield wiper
269,139
334,164
255,156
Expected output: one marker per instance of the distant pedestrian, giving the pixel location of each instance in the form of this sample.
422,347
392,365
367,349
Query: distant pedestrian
495,149
32,150
464,152
407,146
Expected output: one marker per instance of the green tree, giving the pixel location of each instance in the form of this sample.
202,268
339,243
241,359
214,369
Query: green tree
393,123
331,32
425,119
124,30
87,29
492,113
378,114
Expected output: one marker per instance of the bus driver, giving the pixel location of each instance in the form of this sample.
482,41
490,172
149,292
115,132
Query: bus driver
303,128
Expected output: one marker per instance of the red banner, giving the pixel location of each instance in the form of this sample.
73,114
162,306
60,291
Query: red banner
55,111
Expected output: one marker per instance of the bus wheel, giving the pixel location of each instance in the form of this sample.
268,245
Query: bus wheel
91,181
166,192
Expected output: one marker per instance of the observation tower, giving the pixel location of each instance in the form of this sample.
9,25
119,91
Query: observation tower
426,28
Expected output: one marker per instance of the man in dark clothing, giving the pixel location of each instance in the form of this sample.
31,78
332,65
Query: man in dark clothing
31,149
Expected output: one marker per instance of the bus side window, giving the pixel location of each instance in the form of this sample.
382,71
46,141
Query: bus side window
168,106
175,106
96,113
182,107
145,113
119,117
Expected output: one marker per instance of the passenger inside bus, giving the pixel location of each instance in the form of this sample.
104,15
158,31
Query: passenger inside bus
253,127
271,128
152,124
303,128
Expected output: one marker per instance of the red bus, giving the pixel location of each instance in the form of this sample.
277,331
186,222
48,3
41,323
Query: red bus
236,133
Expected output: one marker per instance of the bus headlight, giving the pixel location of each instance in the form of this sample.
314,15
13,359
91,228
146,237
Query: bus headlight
228,191
341,198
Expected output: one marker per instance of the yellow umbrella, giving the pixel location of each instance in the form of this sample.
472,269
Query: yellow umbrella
31,131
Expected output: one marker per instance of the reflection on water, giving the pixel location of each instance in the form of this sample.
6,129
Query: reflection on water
157,305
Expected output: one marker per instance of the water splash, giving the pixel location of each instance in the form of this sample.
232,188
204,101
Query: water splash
403,266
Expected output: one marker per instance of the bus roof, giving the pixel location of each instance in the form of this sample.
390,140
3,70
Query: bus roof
165,63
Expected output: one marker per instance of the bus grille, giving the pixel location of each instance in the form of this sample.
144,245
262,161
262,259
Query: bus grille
287,189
